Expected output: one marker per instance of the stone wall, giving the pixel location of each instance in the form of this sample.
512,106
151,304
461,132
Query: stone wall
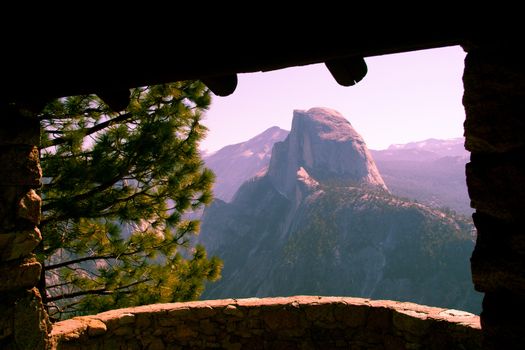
23,322
273,323
494,100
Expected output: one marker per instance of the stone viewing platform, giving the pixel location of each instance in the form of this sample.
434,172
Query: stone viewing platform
300,322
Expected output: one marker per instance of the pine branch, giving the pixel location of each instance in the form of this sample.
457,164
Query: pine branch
82,270
87,258
47,156
133,284
58,285
100,291
50,117
104,186
85,195
69,216
93,129
63,308
54,132
113,256
100,211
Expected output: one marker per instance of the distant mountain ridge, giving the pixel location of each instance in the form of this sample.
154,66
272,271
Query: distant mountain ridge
235,164
442,148
321,221
431,171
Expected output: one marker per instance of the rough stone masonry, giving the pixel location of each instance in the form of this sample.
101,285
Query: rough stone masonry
23,321
494,100
301,322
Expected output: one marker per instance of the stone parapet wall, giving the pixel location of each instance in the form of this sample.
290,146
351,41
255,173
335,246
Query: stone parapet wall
302,322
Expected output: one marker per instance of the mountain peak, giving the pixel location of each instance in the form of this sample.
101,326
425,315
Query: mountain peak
236,163
329,123
322,111
324,145
273,133
441,148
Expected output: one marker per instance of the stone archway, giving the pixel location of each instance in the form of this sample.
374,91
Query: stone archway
494,101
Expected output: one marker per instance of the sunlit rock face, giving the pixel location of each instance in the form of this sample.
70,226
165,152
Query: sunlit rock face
326,146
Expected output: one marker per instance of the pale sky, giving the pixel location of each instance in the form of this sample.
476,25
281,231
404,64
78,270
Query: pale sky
404,97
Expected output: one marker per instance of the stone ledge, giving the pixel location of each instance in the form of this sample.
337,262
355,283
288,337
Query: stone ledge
291,322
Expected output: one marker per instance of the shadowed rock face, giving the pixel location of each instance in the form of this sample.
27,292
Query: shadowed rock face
326,146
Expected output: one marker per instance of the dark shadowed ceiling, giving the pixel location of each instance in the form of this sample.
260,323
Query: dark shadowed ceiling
43,65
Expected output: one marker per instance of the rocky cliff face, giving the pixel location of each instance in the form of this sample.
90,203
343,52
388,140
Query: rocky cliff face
430,171
321,222
322,145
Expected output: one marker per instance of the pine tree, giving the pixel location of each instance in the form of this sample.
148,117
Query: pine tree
116,186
